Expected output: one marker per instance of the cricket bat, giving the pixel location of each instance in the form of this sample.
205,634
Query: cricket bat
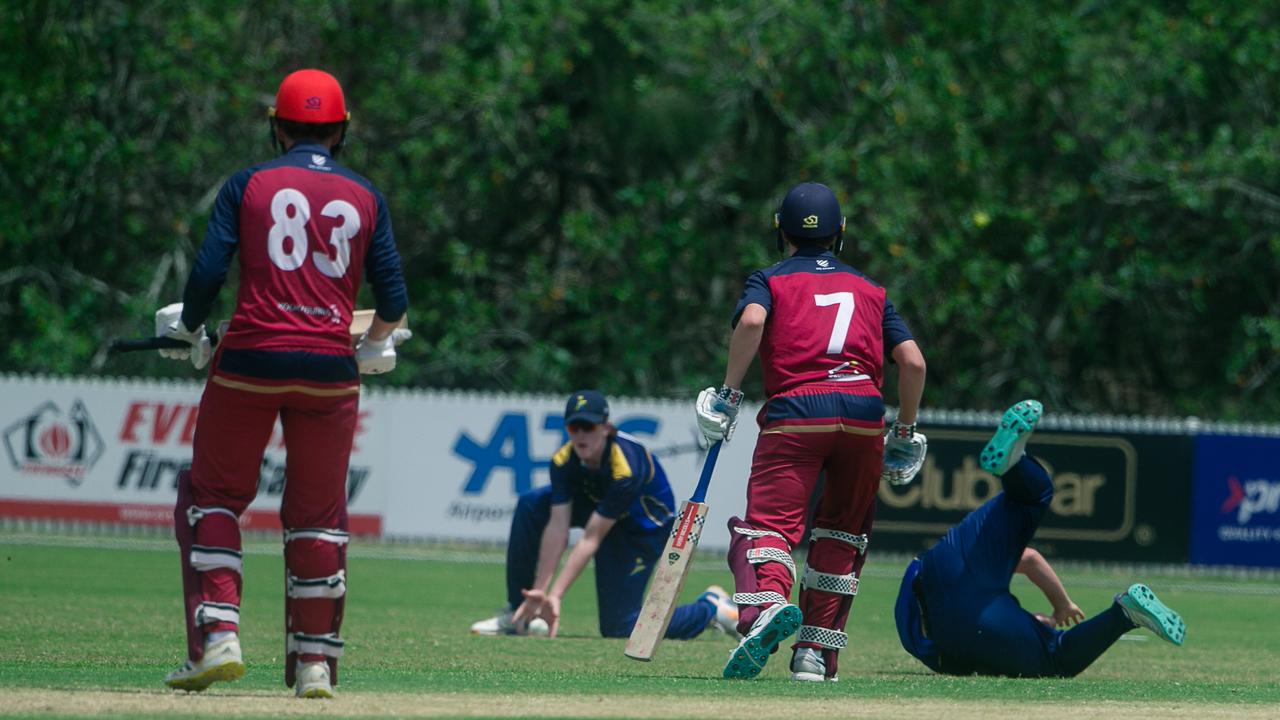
673,567
360,322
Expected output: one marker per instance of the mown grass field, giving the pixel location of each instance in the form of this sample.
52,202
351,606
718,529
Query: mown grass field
90,624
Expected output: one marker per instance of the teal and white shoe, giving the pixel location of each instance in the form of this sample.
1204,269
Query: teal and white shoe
1006,446
1142,608
775,624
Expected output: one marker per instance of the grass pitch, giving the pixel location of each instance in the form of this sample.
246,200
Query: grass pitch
90,624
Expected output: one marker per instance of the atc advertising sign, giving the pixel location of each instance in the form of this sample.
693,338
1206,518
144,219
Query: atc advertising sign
1236,511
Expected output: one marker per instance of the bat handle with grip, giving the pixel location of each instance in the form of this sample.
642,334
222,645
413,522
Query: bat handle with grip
152,343
700,492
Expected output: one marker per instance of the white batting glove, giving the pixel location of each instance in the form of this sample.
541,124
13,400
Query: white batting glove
717,413
400,335
904,453
169,324
375,357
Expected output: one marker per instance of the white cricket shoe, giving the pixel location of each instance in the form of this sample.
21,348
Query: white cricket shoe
502,624
726,617
312,680
499,624
221,661
807,665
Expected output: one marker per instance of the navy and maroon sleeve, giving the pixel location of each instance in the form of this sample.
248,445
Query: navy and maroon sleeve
756,291
382,269
895,328
221,238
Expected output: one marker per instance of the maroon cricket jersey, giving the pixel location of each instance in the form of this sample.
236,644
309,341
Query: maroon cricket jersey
303,237
827,322
305,228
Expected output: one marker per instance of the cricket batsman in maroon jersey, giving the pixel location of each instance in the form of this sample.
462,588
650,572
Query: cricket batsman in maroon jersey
822,329
304,229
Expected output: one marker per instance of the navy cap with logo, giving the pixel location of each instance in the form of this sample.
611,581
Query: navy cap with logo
810,210
586,406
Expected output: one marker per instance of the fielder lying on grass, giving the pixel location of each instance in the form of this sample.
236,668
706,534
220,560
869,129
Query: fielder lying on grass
955,612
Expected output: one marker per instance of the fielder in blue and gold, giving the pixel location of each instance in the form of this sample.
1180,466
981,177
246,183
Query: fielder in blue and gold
954,610
611,486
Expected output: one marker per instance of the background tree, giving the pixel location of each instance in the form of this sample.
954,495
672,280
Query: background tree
1071,200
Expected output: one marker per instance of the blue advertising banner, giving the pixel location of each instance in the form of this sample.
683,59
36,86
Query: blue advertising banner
1235,516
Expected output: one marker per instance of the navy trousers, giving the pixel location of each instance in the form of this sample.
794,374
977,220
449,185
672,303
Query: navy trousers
976,623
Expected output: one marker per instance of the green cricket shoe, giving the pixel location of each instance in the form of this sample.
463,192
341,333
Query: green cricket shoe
1006,446
1142,607
775,624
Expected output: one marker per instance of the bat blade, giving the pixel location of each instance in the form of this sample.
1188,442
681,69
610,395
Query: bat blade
667,582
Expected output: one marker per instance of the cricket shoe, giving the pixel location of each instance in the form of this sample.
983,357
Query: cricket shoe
221,661
726,618
312,680
502,624
807,665
1006,446
1144,610
777,623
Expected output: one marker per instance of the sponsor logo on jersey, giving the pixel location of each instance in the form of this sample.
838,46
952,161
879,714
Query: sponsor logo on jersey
318,159
51,442
824,264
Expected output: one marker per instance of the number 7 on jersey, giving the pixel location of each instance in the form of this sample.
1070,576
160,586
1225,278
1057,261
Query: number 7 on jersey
673,568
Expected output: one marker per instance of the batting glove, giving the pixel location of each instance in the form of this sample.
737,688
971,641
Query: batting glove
904,452
169,324
375,357
400,335
717,413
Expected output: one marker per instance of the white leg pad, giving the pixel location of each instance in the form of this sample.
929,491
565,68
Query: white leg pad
195,513
827,582
826,637
205,558
759,555
337,537
858,541
759,598
329,644
333,586
211,612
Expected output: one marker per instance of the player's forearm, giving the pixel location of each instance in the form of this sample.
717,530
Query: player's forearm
911,375
579,556
554,540
1041,574
743,345
379,329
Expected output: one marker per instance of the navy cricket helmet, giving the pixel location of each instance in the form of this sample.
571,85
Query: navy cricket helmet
810,210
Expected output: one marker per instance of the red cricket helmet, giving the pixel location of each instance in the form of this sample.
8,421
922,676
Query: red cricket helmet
310,96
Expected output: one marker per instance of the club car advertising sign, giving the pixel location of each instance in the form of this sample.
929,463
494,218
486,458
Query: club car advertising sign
1236,519
1120,496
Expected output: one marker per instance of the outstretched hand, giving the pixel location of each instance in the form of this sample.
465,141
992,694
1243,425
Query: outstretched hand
1067,615
537,603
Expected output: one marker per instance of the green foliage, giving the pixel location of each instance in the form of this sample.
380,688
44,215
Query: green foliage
1074,201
